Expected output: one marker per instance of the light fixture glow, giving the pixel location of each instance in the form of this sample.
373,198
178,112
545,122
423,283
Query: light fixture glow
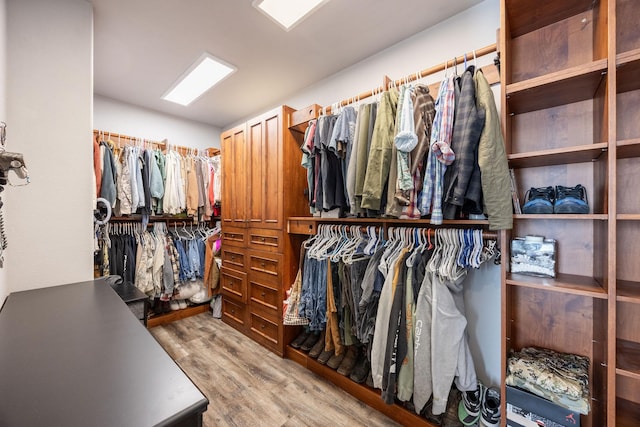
202,76
288,13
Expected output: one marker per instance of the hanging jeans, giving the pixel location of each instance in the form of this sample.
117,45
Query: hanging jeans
313,299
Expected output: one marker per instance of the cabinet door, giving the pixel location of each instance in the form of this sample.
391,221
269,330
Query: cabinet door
264,166
234,177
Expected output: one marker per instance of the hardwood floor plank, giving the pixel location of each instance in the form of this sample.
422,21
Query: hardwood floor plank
247,385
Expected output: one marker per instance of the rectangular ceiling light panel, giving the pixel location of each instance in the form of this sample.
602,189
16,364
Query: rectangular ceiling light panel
288,13
202,76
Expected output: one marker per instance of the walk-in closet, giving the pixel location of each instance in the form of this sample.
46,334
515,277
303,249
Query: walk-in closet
324,212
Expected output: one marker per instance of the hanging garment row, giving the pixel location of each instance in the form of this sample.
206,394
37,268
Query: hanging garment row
167,263
136,178
410,156
394,305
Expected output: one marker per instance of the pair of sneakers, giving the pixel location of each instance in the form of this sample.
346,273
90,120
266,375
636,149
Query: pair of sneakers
482,404
558,199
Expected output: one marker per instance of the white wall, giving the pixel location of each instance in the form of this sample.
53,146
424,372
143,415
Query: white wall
116,116
4,287
49,110
472,29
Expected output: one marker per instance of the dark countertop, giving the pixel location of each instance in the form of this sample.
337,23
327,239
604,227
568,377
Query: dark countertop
75,355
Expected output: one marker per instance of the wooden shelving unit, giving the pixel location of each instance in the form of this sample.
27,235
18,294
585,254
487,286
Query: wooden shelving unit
571,103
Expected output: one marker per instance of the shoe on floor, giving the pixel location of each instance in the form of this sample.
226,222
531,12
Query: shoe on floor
182,303
539,200
571,200
490,414
335,360
349,361
297,341
174,305
450,416
325,356
361,369
470,406
318,347
369,380
311,340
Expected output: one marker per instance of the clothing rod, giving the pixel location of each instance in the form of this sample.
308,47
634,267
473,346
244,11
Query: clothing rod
162,144
415,76
487,235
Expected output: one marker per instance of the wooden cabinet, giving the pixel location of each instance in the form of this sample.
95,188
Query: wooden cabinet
265,176
234,177
571,112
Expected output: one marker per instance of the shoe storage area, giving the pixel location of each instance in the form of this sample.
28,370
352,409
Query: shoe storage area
571,99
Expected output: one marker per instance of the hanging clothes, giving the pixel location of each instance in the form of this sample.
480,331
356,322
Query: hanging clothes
440,153
492,160
379,160
108,182
462,187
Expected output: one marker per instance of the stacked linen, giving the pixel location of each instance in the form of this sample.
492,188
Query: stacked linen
559,377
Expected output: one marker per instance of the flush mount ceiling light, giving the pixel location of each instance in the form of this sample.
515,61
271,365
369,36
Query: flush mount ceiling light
288,13
205,73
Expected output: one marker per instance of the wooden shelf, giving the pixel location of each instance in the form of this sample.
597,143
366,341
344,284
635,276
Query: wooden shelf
152,218
562,87
525,16
627,413
628,359
564,283
308,225
628,217
361,392
569,217
628,148
628,64
557,156
172,316
628,291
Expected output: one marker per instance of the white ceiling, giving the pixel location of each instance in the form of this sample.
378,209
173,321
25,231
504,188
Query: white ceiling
142,46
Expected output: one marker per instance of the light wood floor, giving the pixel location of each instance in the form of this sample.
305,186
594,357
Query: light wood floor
249,386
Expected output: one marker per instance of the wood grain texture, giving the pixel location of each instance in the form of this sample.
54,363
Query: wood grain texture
248,385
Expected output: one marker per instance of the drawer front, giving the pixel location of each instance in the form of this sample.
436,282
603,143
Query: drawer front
266,264
233,313
233,258
233,237
265,296
233,284
264,240
263,329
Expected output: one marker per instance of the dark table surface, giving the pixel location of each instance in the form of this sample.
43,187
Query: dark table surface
75,355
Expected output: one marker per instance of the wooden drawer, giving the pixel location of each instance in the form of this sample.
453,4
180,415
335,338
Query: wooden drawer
233,257
263,329
233,237
302,226
233,284
264,239
266,264
265,296
233,313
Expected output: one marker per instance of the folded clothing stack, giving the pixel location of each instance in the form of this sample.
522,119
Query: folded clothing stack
559,377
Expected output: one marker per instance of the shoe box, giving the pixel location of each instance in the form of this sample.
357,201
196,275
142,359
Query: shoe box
528,410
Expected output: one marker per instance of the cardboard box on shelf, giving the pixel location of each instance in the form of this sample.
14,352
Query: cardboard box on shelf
528,410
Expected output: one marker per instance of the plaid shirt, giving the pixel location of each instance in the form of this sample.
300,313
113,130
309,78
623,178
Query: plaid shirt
431,197
462,183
